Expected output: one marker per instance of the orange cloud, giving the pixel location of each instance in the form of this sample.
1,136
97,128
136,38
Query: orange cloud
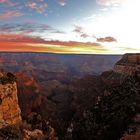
18,43
24,43
10,14
20,38
23,38
37,47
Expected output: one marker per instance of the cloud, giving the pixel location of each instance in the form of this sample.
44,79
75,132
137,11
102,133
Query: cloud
106,39
25,28
93,36
62,2
20,38
108,2
3,1
80,30
19,42
26,43
58,32
10,14
83,35
40,6
8,3
29,28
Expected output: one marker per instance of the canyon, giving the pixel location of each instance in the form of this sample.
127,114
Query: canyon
76,93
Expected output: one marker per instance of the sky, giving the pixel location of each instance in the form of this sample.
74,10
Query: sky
70,26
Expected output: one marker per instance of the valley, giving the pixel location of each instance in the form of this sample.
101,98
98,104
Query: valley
69,94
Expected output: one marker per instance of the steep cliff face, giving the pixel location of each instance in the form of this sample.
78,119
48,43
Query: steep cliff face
9,108
115,112
129,64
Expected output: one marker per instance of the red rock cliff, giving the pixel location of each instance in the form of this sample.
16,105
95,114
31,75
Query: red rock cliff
129,64
9,108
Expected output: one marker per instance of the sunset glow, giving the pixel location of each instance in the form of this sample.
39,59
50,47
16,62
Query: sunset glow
98,26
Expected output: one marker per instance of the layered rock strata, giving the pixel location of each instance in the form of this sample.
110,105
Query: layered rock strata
9,108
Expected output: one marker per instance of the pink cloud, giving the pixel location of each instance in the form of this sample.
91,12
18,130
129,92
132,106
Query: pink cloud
8,3
40,6
3,1
10,14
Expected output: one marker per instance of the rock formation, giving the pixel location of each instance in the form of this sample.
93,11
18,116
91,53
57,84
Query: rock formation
112,115
12,127
9,108
52,108
129,64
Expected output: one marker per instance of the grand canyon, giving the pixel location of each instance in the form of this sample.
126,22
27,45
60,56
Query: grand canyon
69,70
69,97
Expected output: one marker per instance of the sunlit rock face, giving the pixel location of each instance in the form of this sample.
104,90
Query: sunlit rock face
129,64
9,108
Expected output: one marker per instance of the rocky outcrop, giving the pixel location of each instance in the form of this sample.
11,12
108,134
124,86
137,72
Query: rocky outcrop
38,134
9,108
114,113
129,64
35,127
